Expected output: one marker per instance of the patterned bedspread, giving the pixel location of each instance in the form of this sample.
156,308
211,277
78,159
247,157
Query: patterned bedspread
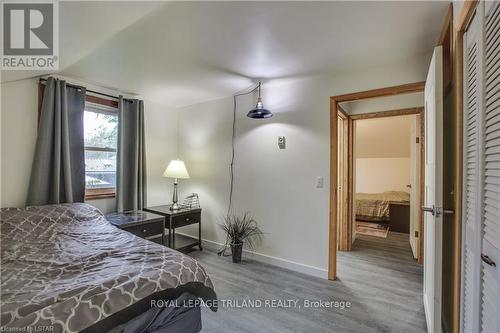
66,267
375,206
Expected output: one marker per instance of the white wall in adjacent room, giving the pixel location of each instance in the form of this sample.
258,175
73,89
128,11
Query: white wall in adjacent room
382,150
377,175
277,186
383,137
18,134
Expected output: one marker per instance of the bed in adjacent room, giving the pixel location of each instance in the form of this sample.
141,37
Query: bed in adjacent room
374,207
65,266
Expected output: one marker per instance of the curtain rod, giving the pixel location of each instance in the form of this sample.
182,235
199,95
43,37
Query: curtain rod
88,90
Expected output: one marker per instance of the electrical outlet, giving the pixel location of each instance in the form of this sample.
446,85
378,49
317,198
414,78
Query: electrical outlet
281,142
320,182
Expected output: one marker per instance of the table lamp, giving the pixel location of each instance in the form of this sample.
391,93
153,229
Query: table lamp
177,170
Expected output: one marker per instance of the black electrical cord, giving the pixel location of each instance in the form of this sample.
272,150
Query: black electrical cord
222,251
233,147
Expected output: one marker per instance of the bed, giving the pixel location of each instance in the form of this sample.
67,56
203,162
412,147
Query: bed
374,207
65,268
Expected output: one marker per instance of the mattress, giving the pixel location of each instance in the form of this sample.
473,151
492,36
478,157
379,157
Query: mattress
375,206
67,268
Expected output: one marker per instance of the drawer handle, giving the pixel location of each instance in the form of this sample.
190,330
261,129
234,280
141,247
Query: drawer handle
187,219
144,230
487,260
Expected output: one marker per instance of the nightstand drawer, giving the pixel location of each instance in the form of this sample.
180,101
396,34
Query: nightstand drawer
186,219
146,230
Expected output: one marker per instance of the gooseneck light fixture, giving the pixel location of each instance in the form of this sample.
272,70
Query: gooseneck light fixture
259,112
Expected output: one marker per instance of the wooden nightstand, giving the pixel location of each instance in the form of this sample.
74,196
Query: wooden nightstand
177,219
140,223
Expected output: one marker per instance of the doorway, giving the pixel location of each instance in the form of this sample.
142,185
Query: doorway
341,228
386,180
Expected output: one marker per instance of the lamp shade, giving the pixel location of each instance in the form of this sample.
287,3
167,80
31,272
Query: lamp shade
176,169
259,112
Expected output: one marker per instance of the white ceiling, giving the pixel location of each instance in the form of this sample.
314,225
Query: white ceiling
384,137
180,53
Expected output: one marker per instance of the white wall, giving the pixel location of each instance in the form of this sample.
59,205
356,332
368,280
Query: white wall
277,186
382,150
377,175
18,133
161,148
383,137
19,126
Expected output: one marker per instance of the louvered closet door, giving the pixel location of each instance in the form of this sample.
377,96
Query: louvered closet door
490,293
481,206
473,131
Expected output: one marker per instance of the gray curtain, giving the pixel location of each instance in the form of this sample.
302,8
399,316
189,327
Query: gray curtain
58,171
131,157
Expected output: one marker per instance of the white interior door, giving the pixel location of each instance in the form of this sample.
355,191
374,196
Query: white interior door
433,221
415,185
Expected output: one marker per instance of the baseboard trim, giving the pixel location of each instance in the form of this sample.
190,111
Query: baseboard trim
275,261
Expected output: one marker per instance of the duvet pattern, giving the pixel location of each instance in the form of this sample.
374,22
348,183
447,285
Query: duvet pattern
66,267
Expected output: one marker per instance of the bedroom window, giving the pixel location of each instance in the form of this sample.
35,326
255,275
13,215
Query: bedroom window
101,138
100,124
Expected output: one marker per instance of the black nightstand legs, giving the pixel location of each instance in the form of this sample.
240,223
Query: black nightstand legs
177,219
199,236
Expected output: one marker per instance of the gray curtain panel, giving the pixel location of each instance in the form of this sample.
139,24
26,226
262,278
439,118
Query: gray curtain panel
131,157
58,171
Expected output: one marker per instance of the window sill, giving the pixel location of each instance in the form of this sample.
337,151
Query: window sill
100,194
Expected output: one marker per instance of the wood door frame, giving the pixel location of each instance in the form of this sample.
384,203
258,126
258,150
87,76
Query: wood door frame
346,225
345,230
334,107
395,113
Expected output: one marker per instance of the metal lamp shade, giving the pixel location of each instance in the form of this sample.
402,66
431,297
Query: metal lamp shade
259,112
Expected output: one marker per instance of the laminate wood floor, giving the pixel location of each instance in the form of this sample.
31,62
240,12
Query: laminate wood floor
379,278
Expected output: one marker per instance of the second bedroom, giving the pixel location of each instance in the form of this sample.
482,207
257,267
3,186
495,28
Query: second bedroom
386,178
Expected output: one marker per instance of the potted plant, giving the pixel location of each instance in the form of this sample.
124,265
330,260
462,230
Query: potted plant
240,229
